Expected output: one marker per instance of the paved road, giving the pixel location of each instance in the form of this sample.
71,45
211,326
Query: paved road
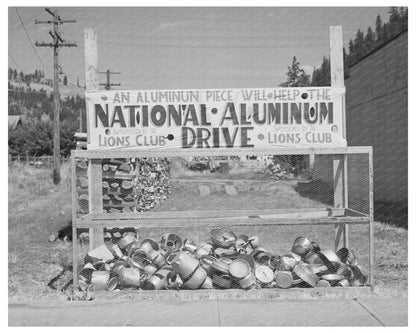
295,312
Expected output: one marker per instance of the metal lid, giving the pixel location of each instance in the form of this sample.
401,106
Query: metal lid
239,268
284,279
264,274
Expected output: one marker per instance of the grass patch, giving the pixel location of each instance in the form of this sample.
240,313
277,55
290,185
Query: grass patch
38,208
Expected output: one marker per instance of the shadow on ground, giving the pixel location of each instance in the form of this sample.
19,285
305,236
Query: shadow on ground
317,190
391,213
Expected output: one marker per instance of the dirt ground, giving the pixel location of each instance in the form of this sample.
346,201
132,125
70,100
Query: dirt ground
37,209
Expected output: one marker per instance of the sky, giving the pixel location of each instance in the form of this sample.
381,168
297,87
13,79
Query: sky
186,47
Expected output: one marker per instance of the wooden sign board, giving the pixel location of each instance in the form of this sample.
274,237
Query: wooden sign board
255,118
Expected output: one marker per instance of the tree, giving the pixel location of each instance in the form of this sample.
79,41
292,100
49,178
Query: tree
296,76
369,40
15,74
379,29
359,44
65,81
322,76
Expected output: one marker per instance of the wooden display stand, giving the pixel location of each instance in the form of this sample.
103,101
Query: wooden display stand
340,215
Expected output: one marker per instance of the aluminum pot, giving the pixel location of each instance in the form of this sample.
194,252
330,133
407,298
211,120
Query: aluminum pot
347,256
112,283
86,272
239,269
184,264
206,263
343,283
222,281
221,265
156,258
174,281
306,274
170,242
207,283
223,237
312,258
287,262
149,244
130,277
330,259
126,241
189,246
150,269
116,251
333,279
302,246
138,259
323,284
284,279
100,279
249,259
264,275
196,279
248,281
203,249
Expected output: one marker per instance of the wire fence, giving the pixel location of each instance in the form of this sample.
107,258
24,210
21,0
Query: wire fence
36,161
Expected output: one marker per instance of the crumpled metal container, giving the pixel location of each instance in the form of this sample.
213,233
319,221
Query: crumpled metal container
223,237
302,246
306,274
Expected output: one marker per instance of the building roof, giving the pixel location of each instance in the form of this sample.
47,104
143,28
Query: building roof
14,121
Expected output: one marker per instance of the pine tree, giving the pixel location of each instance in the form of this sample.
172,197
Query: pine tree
379,29
369,40
295,76
65,81
386,33
322,75
15,74
359,44
394,21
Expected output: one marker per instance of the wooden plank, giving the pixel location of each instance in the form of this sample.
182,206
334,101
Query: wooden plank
230,190
336,57
137,152
172,215
204,190
95,194
217,222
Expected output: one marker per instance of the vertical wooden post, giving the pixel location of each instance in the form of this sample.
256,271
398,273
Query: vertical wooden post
74,221
339,162
94,165
371,212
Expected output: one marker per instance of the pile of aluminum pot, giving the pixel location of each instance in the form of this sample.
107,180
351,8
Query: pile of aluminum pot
228,261
129,185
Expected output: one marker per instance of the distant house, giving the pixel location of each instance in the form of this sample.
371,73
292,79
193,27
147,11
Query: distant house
15,121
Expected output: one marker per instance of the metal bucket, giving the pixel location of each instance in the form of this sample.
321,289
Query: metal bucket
287,262
312,258
149,244
170,242
130,277
223,237
189,246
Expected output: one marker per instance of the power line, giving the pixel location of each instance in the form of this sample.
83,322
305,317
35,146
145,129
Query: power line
31,44
30,21
14,61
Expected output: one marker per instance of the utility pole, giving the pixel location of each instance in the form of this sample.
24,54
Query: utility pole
108,84
56,44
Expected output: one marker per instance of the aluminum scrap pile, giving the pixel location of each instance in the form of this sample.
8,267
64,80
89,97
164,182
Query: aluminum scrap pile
129,185
227,261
